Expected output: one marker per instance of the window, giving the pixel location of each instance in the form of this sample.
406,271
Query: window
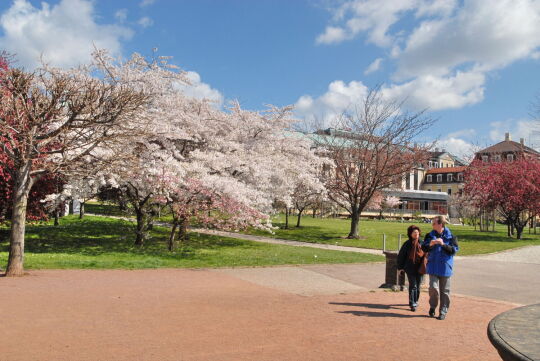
429,178
439,177
449,177
485,158
460,177
497,158
510,157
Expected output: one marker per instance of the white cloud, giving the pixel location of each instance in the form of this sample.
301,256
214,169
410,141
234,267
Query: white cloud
64,33
145,22
442,61
439,92
463,133
483,35
199,90
332,35
518,128
327,108
121,15
458,147
374,66
145,3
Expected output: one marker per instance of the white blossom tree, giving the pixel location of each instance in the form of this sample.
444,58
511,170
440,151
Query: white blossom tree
51,121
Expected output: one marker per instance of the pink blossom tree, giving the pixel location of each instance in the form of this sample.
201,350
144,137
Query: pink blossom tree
511,188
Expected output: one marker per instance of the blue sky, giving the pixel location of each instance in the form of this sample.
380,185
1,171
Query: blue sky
474,63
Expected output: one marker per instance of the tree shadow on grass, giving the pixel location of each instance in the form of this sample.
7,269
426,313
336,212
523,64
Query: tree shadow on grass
93,236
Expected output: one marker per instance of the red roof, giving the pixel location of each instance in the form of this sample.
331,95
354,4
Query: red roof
446,170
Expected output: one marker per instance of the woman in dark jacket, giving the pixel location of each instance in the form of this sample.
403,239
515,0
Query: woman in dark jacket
410,259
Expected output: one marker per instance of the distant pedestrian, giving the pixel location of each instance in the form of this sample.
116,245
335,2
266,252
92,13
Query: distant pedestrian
410,260
441,245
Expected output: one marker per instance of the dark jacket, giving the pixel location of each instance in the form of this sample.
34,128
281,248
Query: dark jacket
403,261
441,258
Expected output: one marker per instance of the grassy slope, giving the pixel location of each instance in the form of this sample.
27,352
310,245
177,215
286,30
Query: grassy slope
97,242
333,231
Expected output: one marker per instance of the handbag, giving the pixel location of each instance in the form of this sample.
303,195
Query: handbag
423,264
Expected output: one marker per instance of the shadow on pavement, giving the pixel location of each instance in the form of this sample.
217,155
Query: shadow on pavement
382,314
378,306
404,306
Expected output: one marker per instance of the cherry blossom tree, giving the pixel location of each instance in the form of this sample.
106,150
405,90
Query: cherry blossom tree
511,188
371,151
50,120
239,159
309,191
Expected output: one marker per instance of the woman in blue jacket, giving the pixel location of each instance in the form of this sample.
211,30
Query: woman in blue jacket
441,245
410,258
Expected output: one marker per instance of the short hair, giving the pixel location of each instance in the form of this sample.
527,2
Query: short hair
440,220
411,229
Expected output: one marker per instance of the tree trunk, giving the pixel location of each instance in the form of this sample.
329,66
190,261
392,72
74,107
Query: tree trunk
314,212
56,216
299,217
23,183
142,224
286,217
81,210
519,230
182,231
355,220
508,229
172,237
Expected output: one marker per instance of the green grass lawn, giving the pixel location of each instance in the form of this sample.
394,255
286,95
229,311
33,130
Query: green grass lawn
334,231
98,242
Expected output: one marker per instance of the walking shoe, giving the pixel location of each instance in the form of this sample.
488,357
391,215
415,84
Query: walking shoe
441,317
413,308
431,312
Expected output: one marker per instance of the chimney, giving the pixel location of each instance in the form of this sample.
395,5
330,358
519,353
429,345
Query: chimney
507,136
522,141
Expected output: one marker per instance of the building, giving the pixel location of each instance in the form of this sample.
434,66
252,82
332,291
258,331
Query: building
448,180
507,150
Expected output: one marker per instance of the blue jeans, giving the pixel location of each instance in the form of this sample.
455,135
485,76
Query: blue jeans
415,280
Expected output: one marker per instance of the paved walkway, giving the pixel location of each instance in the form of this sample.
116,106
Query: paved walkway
504,276
529,254
310,312
179,314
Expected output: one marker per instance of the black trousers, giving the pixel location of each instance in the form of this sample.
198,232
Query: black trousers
415,280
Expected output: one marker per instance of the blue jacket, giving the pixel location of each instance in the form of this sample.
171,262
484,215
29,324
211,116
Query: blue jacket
440,258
